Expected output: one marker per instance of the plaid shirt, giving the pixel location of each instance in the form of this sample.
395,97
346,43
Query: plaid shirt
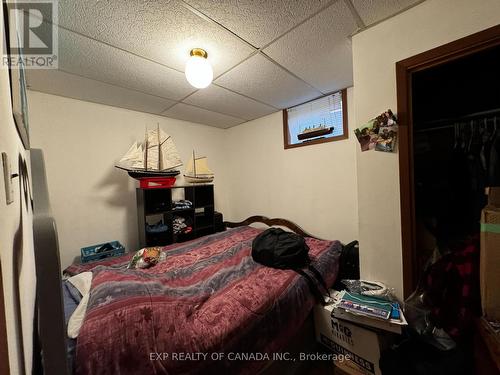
452,286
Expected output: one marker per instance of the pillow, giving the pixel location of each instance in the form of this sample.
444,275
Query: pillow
147,257
82,282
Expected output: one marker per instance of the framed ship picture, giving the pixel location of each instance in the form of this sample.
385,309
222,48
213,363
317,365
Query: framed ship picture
16,73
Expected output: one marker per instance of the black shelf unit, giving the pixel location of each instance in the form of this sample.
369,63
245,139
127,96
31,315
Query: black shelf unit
154,205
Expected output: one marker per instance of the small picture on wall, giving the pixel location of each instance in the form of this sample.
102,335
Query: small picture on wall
387,133
387,138
378,134
16,74
367,135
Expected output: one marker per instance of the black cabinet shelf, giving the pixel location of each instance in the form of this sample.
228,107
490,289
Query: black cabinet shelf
157,213
157,203
182,210
205,227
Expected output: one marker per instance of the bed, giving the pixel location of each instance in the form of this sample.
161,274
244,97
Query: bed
208,299
207,308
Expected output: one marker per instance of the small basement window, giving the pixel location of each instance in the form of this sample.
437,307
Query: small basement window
317,121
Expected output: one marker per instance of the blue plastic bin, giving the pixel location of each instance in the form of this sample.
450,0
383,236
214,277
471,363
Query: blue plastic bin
90,253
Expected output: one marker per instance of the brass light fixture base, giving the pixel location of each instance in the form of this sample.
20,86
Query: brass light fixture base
198,52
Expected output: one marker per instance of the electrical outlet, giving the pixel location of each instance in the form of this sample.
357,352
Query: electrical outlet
7,178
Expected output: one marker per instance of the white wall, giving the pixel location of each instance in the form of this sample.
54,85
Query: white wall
314,186
11,227
92,201
375,52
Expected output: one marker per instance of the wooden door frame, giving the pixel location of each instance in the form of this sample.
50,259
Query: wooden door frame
404,69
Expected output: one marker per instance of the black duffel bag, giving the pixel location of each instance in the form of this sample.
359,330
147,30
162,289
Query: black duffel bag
284,250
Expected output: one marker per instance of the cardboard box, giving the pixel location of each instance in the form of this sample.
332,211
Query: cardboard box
490,255
347,368
361,344
338,371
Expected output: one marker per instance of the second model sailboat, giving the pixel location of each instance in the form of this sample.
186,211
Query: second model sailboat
197,170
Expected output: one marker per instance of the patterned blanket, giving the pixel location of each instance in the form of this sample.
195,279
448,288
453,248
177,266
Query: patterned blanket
187,314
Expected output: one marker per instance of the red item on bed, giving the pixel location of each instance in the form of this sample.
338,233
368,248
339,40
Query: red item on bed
207,297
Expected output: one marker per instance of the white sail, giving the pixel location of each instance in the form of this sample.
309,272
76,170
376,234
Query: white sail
129,155
134,158
198,171
190,167
160,155
152,158
199,167
167,157
138,161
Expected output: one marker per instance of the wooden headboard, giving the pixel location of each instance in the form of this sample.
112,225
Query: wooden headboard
271,223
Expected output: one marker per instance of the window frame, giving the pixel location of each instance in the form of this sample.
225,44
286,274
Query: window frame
286,134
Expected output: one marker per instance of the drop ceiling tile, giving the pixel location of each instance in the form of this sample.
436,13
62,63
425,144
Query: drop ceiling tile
261,79
94,60
191,113
221,100
258,21
71,86
164,31
319,51
372,11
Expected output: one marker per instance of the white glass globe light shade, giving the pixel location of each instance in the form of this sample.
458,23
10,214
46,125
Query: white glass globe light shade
199,72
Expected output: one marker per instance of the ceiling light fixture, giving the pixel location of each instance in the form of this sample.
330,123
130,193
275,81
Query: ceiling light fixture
199,72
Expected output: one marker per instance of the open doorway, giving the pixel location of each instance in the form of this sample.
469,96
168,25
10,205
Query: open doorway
456,151
448,98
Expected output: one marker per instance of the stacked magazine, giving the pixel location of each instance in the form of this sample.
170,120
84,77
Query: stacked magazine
369,311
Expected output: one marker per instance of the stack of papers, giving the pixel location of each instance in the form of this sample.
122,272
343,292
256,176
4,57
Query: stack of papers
369,311
365,305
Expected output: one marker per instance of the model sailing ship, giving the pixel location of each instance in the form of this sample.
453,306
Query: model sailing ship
157,156
197,170
316,131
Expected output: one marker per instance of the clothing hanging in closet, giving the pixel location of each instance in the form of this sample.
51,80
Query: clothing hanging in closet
454,163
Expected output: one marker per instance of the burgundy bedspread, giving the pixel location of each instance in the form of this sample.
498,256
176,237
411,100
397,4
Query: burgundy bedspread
207,297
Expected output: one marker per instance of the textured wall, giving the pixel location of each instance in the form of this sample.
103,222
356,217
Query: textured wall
16,241
375,52
92,201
